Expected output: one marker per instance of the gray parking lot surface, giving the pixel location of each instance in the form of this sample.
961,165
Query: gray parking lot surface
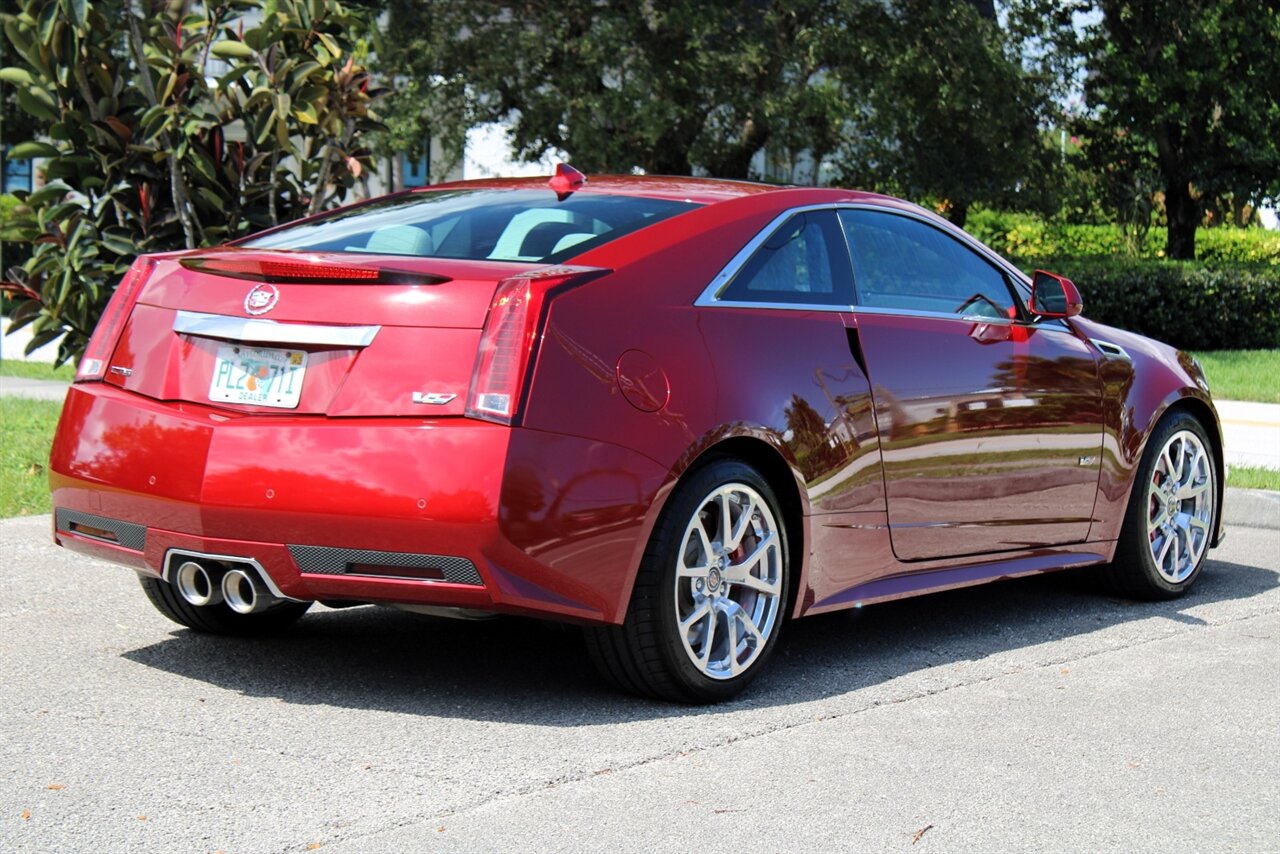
1035,715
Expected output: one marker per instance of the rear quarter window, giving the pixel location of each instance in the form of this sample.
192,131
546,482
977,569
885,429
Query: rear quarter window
495,225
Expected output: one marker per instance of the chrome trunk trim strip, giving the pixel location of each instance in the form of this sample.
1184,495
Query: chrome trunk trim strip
254,329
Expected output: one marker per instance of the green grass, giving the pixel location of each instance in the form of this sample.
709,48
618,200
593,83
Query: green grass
36,370
26,426
1242,374
26,434
1253,477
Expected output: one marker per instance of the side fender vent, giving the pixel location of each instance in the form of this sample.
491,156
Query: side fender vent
1115,351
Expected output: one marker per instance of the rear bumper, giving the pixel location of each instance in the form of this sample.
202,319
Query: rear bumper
381,510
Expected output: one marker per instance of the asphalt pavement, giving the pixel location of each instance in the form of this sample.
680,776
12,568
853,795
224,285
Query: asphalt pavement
1028,715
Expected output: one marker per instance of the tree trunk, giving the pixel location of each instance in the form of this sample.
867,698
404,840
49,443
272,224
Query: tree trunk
959,213
177,185
669,155
275,185
322,182
1241,212
986,8
734,165
735,162
1183,214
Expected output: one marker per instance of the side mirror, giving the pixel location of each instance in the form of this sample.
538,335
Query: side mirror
1054,296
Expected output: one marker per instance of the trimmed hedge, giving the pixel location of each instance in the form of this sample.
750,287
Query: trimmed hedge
1028,236
1190,305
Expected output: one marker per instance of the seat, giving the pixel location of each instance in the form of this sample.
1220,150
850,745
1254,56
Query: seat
400,240
542,239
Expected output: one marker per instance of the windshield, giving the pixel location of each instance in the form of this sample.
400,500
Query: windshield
495,225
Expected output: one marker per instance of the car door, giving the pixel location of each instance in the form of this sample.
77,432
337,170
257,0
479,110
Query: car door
990,422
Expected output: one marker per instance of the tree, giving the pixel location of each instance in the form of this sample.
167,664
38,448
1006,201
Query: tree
924,98
674,86
945,109
1193,89
147,150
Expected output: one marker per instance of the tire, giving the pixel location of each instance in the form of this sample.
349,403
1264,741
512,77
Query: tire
732,601
219,619
1169,520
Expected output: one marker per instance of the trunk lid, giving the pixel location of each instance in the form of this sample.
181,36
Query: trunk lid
319,333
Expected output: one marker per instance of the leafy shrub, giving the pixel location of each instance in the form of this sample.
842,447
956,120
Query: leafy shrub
1188,304
1027,236
170,126
1238,245
12,252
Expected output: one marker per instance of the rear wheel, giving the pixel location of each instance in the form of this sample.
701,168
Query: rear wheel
710,596
1169,522
218,618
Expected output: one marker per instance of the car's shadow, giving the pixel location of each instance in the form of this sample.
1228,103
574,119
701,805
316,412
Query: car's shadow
525,671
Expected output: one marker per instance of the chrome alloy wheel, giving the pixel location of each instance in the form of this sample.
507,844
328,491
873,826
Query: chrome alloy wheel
728,588
1180,500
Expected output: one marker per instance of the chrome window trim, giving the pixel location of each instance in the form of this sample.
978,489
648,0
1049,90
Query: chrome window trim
925,313
787,306
1019,279
967,318
988,254
269,331
710,294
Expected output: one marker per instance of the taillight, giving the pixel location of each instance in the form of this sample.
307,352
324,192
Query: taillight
102,343
508,343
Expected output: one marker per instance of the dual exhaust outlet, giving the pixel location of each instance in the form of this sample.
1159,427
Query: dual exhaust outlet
242,589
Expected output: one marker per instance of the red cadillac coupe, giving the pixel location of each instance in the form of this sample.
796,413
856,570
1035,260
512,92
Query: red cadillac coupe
675,411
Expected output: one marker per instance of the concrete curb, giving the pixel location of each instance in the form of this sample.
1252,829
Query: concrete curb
1252,508
34,389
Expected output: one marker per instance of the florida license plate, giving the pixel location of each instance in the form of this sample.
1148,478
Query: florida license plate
257,376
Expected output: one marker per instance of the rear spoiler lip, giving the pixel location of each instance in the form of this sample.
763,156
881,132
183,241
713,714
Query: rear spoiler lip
301,269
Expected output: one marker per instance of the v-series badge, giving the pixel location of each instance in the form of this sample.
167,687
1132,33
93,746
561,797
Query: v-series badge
435,398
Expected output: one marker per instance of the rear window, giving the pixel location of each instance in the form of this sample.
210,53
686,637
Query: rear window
496,225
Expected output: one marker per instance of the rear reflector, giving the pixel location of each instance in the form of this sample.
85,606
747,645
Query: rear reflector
102,343
302,272
509,342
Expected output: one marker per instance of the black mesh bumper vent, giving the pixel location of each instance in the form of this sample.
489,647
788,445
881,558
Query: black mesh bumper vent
326,560
101,528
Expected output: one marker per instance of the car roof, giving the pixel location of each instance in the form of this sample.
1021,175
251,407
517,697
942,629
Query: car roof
677,188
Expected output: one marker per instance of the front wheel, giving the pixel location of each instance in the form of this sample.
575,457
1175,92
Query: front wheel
709,599
1169,522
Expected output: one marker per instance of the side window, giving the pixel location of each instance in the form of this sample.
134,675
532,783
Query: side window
902,263
804,262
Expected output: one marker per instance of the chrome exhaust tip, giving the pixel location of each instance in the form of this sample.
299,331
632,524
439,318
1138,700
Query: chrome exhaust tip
197,584
245,593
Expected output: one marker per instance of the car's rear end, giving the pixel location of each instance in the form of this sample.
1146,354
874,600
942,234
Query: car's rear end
327,409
